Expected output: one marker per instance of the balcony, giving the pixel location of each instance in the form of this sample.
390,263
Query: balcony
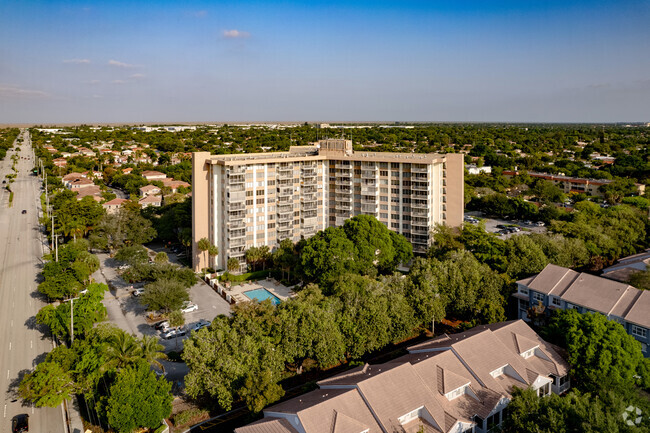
308,198
236,179
285,199
309,189
282,218
236,215
235,188
285,208
341,219
237,206
419,212
236,242
236,224
368,174
238,251
285,183
420,230
312,221
343,182
368,200
285,225
309,206
420,186
310,214
309,181
417,221
285,233
340,166
369,190
285,192
309,172
237,233
343,205
420,204
309,231
419,168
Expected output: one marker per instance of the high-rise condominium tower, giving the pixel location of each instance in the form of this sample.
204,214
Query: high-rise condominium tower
245,200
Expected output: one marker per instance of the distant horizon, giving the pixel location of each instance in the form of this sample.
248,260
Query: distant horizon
119,61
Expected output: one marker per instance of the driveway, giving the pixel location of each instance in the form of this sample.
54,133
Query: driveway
125,310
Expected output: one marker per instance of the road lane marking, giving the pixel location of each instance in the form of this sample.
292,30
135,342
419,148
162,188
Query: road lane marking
7,374
30,344
5,411
10,345
12,323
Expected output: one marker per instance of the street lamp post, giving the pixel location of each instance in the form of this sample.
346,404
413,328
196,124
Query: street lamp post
72,320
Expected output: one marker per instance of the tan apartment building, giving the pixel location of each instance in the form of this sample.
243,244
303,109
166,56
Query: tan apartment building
245,200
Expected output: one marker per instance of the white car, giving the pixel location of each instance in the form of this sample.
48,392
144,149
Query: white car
174,333
137,292
189,307
124,267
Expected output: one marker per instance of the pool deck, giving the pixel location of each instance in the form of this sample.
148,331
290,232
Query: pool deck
235,294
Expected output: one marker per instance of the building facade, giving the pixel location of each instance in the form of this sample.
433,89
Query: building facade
561,288
246,200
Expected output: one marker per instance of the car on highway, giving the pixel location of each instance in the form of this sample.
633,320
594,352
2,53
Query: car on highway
137,292
20,423
188,307
201,324
171,333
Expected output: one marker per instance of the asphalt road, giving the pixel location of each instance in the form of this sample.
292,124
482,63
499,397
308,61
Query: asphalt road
22,345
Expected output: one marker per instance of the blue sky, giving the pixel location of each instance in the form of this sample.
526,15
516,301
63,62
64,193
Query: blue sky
167,61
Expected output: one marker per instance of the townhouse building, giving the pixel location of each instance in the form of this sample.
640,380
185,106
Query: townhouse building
561,288
247,200
453,383
570,184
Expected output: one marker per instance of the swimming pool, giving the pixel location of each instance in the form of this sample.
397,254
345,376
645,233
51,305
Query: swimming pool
261,295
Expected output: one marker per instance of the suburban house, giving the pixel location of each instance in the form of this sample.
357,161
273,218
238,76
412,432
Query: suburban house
148,190
80,183
562,288
174,184
113,206
573,184
153,175
627,266
150,200
68,178
453,383
60,162
93,191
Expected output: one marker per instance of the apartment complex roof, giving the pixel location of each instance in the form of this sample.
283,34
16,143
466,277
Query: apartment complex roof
441,383
594,293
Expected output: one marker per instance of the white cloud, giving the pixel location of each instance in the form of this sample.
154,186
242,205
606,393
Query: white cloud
118,81
121,64
18,92
77,61
235,34
138,76
92,82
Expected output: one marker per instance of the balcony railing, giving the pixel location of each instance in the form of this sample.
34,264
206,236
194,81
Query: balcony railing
309,189
416,221
368,174
285,208
368,200
340,166
369,190
310,214
284,199
343,182
420,186
419,204
236,224
237,233
366,208
237,242
285,217
308,197
309,206
309,221
309,172
419,212
309,181
416,168
236,215
284,192
235,188
343,205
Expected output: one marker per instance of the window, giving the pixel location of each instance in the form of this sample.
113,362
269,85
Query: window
523,290
383,215
260,201
544,390
271,225
556,301
498,372
249,202
394,225
493,420
383,206
538,297
638,331
383,173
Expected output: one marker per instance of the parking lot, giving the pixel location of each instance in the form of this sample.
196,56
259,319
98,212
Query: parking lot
491,225
125,310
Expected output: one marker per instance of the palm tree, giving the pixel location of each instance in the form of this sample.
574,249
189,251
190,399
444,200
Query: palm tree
122,350
232,264
265,254
151,351
176,320
252,256
213,251
203,245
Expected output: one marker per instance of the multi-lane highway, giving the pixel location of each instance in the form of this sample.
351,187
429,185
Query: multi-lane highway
21,345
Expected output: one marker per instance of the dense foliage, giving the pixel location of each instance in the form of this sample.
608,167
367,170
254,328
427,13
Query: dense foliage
65,277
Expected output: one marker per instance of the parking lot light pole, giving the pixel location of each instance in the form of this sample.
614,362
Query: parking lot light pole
72,320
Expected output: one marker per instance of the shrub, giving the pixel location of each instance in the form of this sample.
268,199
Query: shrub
190,416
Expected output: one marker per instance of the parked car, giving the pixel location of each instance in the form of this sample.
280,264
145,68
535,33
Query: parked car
540,224
20,423
137,292
528,223
189,307
174,333
122,267
162,326
201,324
